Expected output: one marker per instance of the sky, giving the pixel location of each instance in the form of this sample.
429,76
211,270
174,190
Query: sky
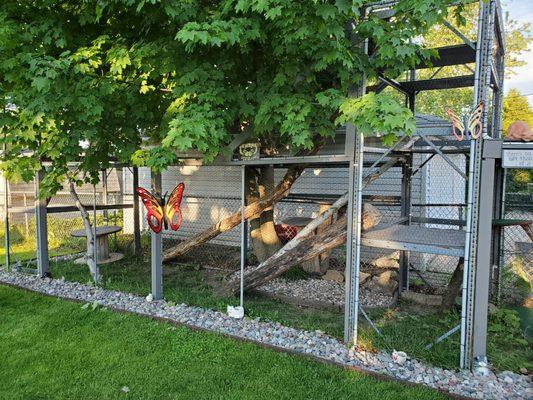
521,10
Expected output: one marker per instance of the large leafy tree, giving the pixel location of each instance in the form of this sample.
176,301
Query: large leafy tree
189,74
84,81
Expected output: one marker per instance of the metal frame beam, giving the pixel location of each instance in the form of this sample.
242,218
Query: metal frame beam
354,213
136,217
476,275
6,222
157,248
41,229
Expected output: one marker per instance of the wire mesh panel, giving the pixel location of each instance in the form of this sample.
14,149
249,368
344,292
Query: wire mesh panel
516,278
21,224
413,251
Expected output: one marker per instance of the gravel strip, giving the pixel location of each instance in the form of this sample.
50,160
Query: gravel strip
505,385
321,290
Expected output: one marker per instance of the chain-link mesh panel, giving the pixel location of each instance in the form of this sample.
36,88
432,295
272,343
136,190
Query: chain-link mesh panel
21,224
516,274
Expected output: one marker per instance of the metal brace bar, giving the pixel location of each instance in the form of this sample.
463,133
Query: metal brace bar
424,163
371,323
469,68
452,28
455,167
390,150
434,74
392,83
441,338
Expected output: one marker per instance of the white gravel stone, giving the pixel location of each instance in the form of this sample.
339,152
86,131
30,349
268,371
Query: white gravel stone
506,385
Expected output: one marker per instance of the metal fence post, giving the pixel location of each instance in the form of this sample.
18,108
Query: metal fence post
157,249
407,169
6,221
41,229
476,267
26,219
136,216
483,261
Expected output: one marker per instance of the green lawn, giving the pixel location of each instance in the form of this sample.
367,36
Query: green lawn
403,330
54,349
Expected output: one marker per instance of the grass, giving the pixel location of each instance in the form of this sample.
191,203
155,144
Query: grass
403,330
55,349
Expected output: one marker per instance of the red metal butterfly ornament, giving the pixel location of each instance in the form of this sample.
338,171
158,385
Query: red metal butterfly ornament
470,126
162,212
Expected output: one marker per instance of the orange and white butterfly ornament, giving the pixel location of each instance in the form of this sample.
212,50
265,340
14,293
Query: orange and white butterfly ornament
467,126
162,212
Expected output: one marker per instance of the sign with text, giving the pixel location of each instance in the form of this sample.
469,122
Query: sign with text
522,158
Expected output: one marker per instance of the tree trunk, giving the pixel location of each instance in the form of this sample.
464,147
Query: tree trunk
454,287
252,195
265,241
300,249
280,191
269,236
91,263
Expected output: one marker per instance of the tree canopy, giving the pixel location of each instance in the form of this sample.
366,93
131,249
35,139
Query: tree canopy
516,108
87,81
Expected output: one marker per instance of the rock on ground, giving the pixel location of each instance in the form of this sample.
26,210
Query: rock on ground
506,385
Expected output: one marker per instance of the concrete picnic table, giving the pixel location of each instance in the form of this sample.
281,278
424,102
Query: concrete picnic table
102,244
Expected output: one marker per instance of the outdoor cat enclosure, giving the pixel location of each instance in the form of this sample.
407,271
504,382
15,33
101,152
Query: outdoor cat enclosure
471,237
472,187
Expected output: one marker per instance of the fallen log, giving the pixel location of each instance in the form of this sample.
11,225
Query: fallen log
304,246
304,249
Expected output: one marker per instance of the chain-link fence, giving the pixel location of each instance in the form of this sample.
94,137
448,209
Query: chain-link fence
63,218
516,273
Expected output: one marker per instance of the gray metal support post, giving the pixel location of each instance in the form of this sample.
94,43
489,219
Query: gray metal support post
244,234
6,208
95,240
157,249
353,238
483,267
43,266
136,216
477,264
6,222
105,194
497,231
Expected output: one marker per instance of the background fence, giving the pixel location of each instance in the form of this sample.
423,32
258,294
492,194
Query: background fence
213,193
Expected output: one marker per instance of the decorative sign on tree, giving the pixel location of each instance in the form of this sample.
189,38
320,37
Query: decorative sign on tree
470,127
161,212
249,151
